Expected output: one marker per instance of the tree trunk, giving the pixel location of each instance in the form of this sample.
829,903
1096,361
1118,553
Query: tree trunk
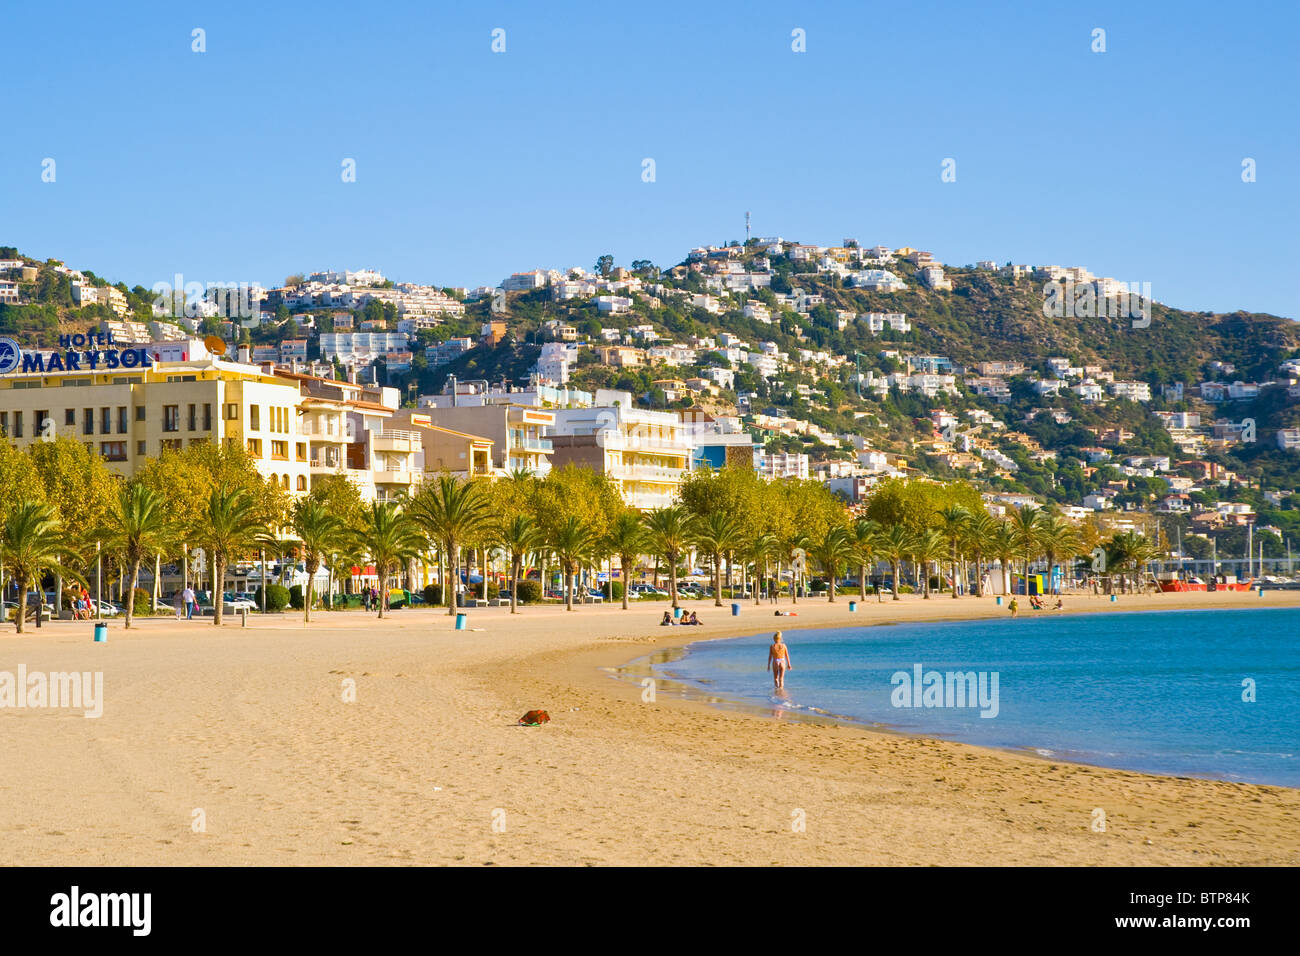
568,591
717,580
672,579
130,605
20,612
218,574
894,565
954,571
622,567
514,584
862,582
452,577
383,589
831,586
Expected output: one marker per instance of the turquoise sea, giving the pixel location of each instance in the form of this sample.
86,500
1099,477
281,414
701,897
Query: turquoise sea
1164,692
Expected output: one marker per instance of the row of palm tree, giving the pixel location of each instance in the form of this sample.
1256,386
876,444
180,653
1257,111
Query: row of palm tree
450,515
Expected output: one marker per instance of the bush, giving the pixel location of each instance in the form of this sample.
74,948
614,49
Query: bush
277,597
493,590
613,590
296,597
141,602
432,594
530,592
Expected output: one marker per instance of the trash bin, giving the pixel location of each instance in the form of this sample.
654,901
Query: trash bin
460,598
735,610
461,621
998,599
677,613
1112,599
853,606
101,633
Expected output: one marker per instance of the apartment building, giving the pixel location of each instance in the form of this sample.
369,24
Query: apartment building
516,433
645,453
129,414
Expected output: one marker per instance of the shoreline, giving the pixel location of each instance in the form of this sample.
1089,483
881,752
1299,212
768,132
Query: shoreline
697,690
247,725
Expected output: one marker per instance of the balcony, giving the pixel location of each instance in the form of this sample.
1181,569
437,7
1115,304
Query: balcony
396,440
531,444
396,477
652,473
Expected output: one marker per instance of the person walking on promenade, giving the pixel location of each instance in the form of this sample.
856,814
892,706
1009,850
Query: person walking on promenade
188,597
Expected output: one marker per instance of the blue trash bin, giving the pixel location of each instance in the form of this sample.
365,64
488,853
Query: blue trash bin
853,606
101,633
735,610
677,613
461,621
999,600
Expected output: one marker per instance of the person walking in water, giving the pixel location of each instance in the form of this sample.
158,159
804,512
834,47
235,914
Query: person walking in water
778,660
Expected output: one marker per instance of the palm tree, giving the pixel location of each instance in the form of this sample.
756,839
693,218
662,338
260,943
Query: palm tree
979,538
227,527
1025,525
929,545
572,542
670,532
865,535
717,534
1002,545
136,526
319,531
796,542
627,539
1056,537
832,552
452,511
953,521
33,542
758,551
390,536
895,544
518,538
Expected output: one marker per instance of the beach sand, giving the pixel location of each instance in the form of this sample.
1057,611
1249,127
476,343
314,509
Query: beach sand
245,730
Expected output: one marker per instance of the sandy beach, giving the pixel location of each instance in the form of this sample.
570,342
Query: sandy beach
236,746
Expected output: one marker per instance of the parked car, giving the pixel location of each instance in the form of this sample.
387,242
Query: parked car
104,608
233,603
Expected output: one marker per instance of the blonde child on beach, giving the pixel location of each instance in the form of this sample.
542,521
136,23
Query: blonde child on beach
778,660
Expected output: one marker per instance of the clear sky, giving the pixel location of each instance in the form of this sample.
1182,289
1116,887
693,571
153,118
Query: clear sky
226,165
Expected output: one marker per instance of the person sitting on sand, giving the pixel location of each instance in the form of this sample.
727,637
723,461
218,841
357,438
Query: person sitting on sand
1015,608
692,618
1058,606
667,621
1035,603
778,660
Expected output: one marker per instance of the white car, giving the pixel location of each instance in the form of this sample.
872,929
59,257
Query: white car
106,608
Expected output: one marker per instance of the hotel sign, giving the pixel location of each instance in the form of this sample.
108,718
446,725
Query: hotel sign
90,352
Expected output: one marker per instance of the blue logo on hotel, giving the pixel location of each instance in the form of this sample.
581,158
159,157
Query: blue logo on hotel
10,355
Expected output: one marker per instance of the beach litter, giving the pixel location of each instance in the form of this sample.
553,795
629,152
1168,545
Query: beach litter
534,718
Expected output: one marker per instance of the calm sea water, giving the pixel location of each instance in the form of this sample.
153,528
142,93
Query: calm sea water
1160,692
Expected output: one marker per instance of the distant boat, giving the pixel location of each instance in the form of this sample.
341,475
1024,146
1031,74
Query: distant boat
1170,582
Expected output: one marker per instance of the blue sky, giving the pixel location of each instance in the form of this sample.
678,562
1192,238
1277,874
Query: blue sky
225,165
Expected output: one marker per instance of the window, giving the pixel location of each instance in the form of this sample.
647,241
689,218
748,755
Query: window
113,450
139,413
140,448
302,482
42,417
4,423
191,417
171,418
255,418
255,447
121,419
207,416
170,444
87,421
301,450
105,421
280,450
70,417
232,412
